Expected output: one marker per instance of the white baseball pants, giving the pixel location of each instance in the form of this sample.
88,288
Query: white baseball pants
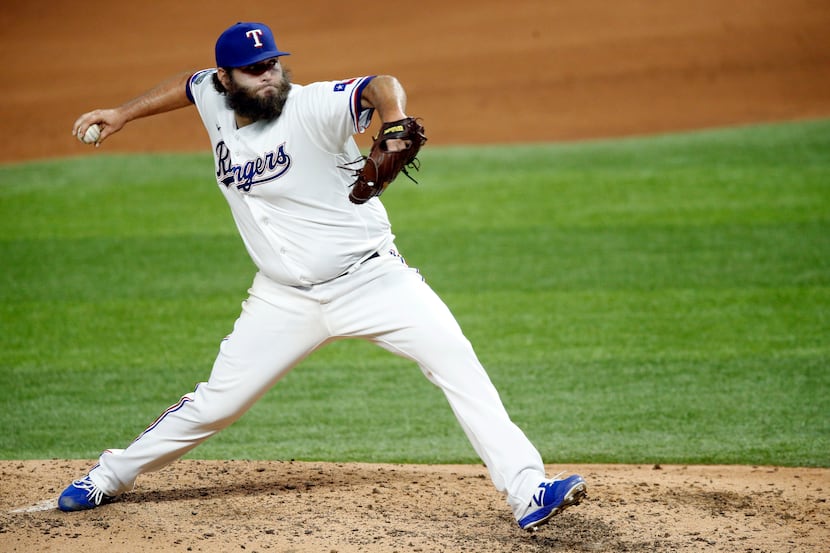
383,301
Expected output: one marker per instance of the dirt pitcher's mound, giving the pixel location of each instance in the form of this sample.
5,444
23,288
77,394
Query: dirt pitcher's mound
257,506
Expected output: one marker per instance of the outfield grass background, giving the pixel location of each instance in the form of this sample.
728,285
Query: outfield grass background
662,299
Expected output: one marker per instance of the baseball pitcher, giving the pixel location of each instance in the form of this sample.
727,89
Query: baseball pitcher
306,204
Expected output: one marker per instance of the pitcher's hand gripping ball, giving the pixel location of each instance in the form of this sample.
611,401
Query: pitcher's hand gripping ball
382,165
91,136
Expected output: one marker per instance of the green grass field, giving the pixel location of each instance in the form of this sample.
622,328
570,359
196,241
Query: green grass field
653,300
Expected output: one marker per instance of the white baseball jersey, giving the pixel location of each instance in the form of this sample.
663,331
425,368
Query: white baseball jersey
291,203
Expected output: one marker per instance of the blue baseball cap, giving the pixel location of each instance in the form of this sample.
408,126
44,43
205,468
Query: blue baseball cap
246,43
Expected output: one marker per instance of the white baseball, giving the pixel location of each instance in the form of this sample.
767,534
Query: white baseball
92,134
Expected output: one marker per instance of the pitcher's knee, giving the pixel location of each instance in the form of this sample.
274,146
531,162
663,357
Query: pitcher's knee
216,413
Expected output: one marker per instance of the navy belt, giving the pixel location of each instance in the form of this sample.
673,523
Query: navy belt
354,267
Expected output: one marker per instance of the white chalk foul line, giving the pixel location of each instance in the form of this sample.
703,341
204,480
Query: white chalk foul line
45,505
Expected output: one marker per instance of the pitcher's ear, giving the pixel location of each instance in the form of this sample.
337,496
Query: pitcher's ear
224,77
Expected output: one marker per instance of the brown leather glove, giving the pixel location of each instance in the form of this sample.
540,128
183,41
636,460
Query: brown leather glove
381,166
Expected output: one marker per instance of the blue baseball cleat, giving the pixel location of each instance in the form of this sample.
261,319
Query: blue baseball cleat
551,498
81,495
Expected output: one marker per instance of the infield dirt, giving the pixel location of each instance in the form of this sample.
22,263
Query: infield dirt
477,72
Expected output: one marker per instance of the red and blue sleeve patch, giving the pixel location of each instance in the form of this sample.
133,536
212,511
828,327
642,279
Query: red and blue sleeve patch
341,86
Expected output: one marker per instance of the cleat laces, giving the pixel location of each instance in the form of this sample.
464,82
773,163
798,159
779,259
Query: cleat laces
93,493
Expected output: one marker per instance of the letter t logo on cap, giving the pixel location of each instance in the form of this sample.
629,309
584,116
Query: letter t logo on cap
255,34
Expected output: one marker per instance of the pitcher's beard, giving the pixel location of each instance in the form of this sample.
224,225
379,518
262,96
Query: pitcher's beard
255,107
